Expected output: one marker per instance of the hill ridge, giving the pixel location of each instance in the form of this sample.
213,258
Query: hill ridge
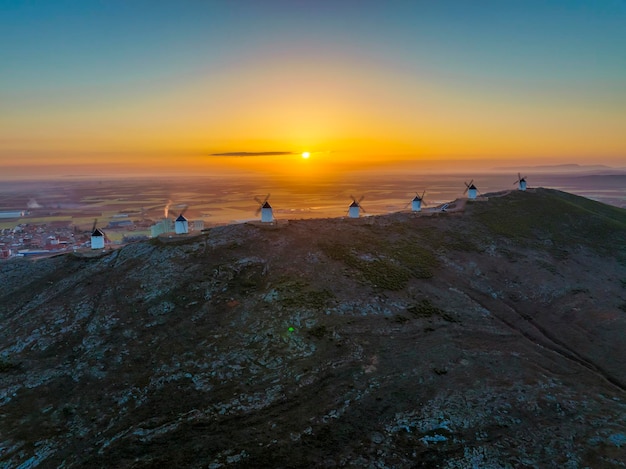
487,337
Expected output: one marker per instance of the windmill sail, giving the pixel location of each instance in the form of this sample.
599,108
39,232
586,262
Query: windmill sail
265,209
355,208
521,181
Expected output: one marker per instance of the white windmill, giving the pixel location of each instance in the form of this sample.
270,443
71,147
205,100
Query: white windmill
354,210
97,237
265,209
471,190
417,202
521,181
181,225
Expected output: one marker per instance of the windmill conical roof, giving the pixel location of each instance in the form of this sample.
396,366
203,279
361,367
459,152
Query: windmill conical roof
417,198
266,205
472,186
97,232
181,218
354,204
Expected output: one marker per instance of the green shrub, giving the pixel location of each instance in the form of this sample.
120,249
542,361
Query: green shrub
384,263
425,309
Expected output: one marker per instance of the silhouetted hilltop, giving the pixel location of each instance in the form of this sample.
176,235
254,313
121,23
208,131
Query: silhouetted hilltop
487,337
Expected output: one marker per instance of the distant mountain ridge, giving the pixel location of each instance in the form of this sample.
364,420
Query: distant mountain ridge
570,167
487,337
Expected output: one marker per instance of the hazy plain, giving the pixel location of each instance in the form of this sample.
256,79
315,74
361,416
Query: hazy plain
231,198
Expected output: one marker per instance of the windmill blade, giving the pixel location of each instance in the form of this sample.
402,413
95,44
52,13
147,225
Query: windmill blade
261,203
361,208
424,192
353,198
95,222
184,210
362,197
467,186
408,203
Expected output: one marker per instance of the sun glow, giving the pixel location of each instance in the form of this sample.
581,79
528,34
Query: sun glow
305,155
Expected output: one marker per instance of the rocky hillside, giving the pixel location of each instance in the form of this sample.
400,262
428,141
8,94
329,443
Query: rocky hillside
491,337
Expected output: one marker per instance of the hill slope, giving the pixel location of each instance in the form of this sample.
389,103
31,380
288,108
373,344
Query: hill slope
486,338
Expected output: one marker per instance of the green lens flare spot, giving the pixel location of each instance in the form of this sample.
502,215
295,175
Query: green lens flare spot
291,329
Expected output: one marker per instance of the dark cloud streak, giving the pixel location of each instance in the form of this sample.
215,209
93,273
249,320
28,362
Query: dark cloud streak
255,153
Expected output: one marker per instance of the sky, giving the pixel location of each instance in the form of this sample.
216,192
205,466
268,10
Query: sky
214,86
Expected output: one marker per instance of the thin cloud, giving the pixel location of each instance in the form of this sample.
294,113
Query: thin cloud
255,153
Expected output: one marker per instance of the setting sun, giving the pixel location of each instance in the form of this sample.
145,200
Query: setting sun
305,155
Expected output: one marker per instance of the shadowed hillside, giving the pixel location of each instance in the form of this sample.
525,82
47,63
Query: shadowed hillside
491,337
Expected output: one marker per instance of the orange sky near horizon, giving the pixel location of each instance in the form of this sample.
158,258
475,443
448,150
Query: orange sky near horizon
361,115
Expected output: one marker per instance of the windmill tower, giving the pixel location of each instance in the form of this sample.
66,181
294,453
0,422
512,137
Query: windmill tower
181,226
97,237
417,202
267,215
471,190
354,210
521,181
